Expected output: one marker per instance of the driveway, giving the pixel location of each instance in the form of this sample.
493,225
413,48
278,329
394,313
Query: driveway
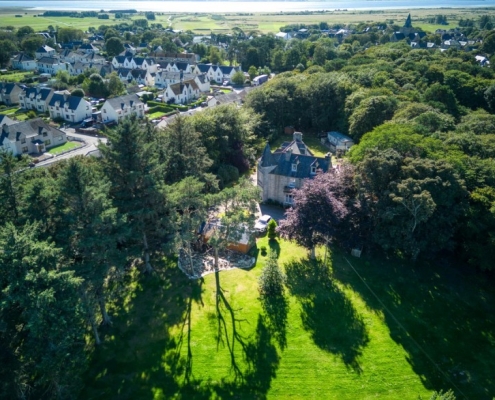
276,212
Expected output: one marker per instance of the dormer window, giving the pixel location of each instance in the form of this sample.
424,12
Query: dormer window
294,167
313,169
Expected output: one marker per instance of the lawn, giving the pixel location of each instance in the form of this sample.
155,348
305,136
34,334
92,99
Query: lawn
64,147
329,337
156,115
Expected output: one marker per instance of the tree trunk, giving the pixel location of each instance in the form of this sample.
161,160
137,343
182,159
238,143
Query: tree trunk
103,309
95,332
91,317
215,251
313,252
147,266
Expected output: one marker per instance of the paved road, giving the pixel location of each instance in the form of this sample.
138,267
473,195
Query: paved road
90,144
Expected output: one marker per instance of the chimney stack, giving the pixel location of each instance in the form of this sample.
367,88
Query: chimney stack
297,136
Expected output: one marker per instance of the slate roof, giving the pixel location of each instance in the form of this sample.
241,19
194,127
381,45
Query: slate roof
181,65
22,58
61,99
123,71
48,60
8,87
139,73
295,152
30,128
121,102
44,49
203,67
175,75
226,70
34,92
4,120
202,78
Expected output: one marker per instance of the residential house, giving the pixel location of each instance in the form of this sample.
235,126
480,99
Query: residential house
143,77
284,35
71,108
280,172
44,51
31,136
160,55
165,78
147,64
23,62
123,62
228,72
36,98
88,48
212,72
183,92
203,83
339,142
482,60
50,65
121,107
9,93
4,120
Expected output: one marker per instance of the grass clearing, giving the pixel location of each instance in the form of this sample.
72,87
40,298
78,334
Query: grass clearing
64,147
328,338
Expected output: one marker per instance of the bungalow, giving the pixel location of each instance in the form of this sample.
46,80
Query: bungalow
50,65
280,172
44,51
339,142
71,108
9,93
31,136
36,98
23,62
121,107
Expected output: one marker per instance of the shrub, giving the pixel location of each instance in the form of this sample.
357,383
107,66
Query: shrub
271,230
271,281
227,173
31,114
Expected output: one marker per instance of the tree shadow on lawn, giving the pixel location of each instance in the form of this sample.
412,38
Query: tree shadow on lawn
274,246
141,359
326,312
276,310
448,313
129,362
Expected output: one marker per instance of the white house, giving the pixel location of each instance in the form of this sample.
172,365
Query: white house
339,141
165,78
70,108
23,62
183,92
213,72
284,35
50,65
44,51
121,107
9,93
31,136
228,72
36,98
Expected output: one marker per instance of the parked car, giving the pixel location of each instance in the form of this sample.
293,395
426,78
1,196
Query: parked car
262,223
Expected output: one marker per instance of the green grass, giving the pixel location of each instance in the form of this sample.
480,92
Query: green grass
17,76
329,337
64,147
156,115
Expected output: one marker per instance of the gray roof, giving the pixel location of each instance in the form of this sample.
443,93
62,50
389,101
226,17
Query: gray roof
4,120
9,87
63,99
175,75
122,101
48,60
295,152
22,57
29,128
204,67
43,91
44,49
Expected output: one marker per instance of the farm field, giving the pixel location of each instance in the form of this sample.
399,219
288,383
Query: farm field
263,23
330,337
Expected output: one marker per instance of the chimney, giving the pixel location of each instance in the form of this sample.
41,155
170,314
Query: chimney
181,76
297,136
288,154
